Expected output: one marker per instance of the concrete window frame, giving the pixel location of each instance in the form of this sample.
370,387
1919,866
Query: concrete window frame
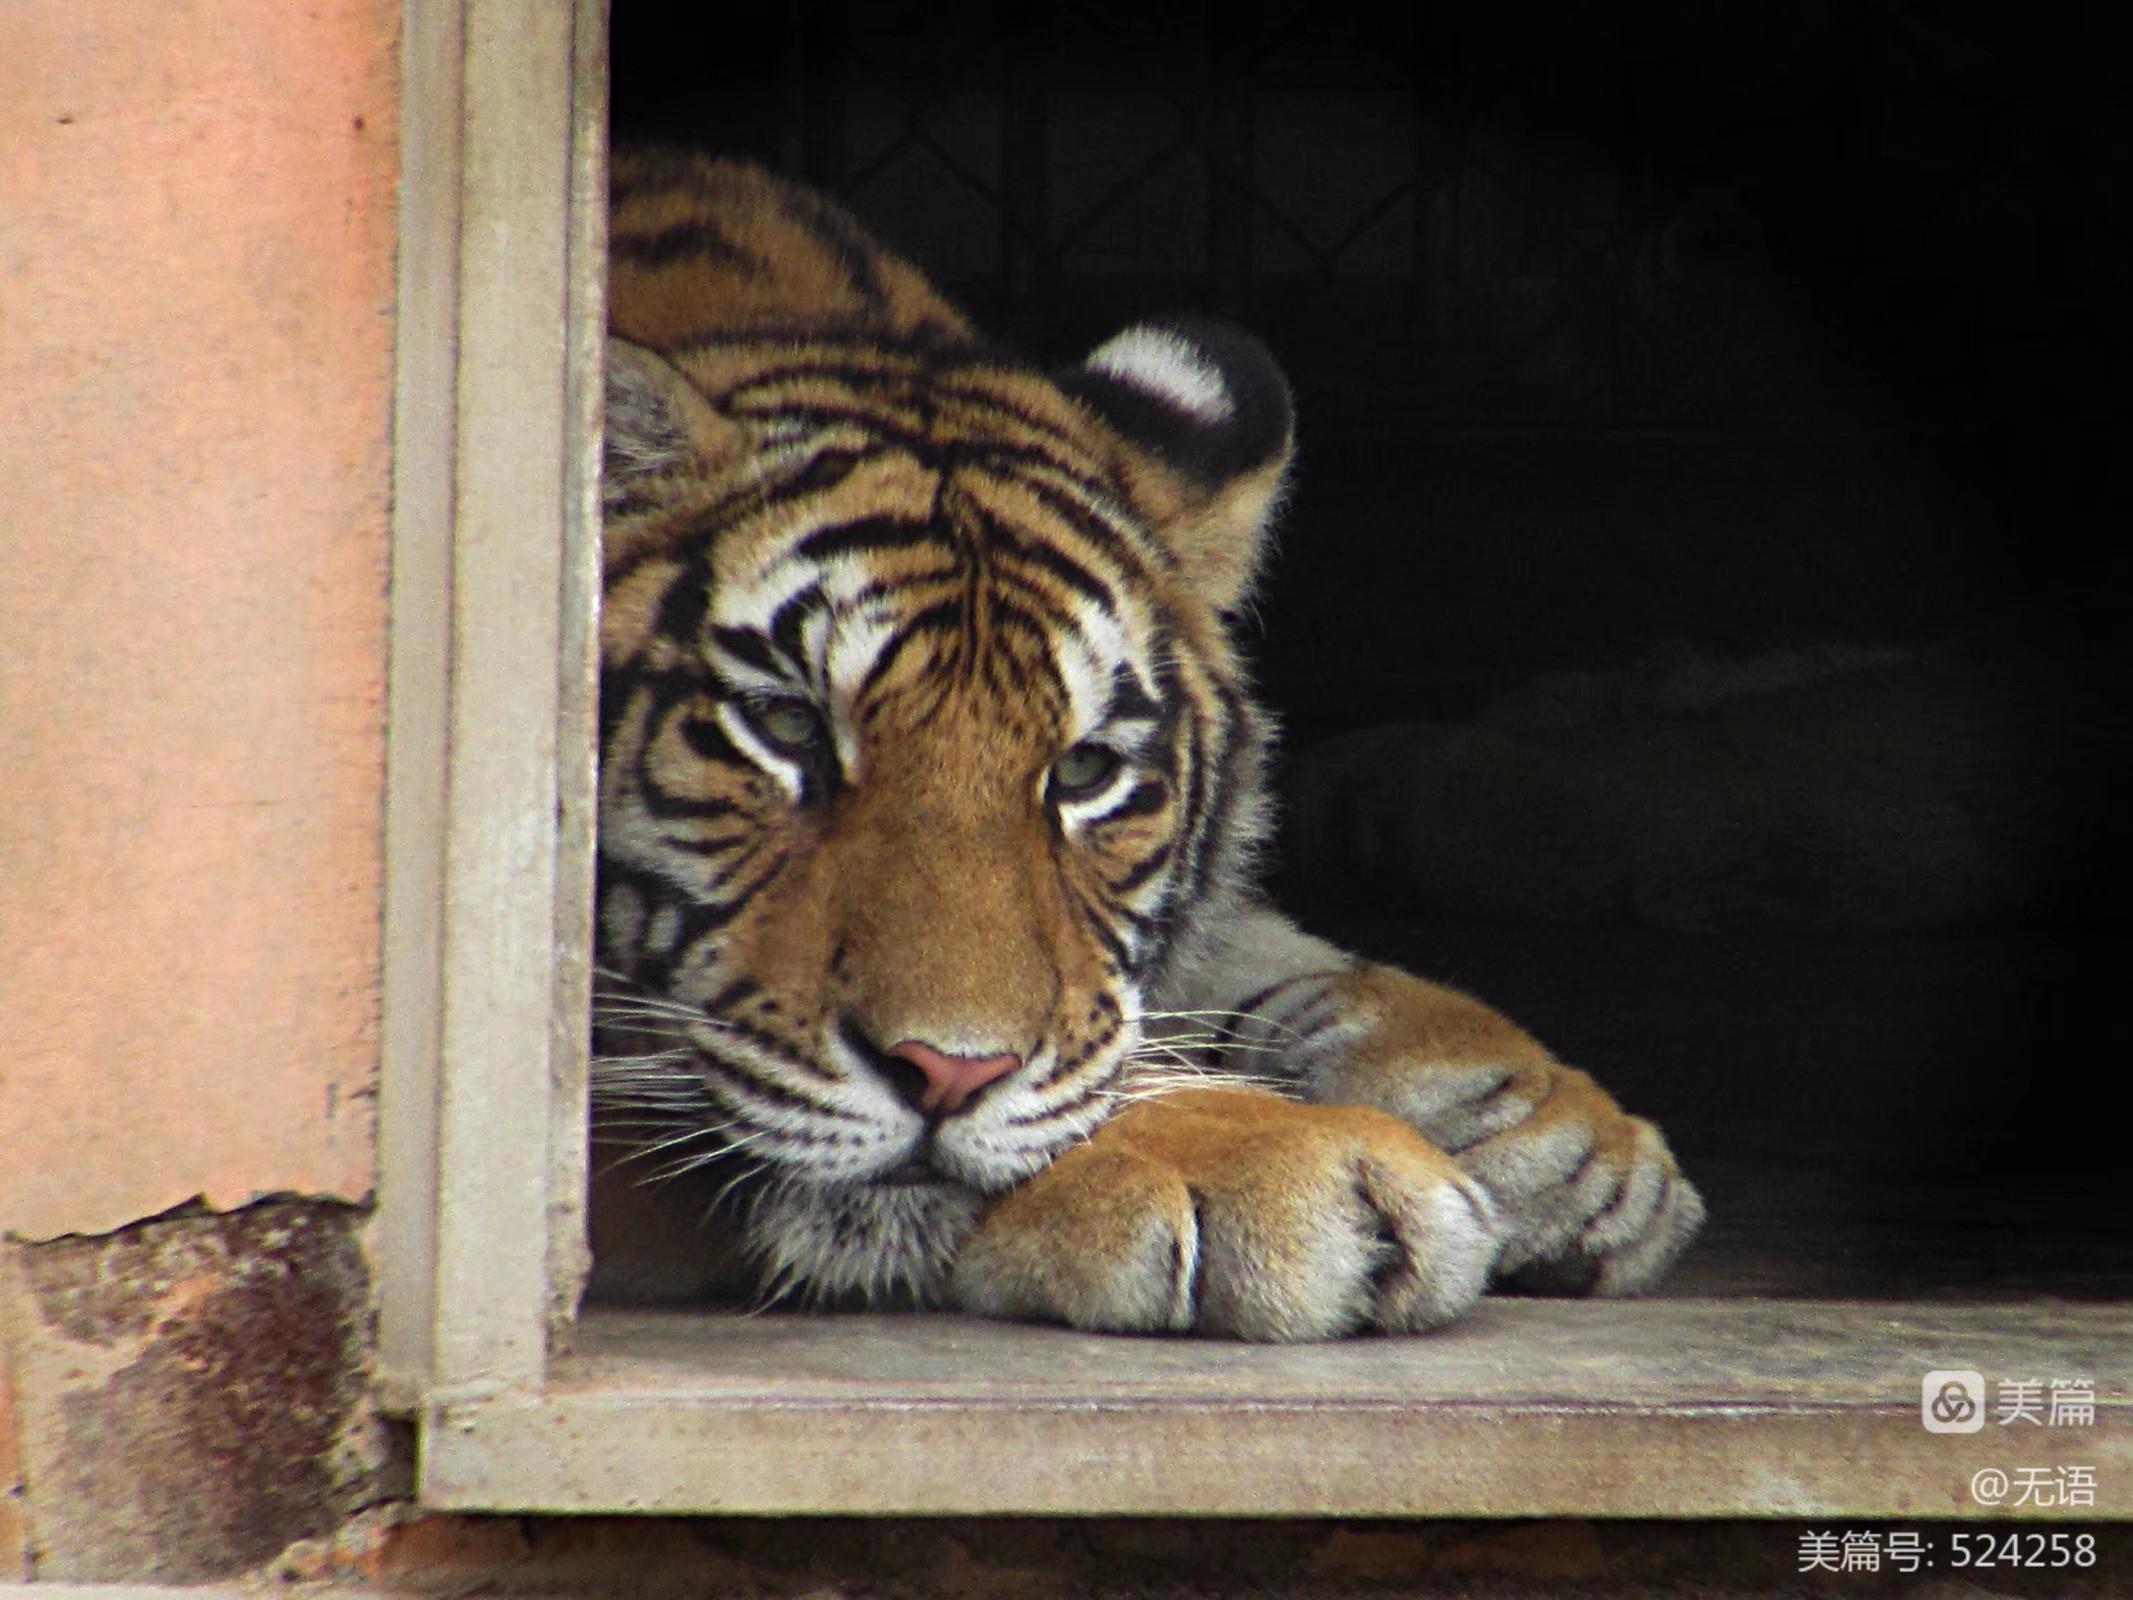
1657,1408
492,678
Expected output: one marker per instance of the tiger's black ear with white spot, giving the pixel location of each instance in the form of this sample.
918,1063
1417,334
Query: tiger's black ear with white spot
1203,416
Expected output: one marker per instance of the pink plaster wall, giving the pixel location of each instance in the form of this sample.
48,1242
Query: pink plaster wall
196,293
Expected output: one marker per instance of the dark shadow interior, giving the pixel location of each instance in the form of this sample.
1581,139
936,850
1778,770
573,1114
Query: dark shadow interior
1697,627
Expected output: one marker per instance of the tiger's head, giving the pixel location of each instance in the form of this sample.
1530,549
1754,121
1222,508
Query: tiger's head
924,750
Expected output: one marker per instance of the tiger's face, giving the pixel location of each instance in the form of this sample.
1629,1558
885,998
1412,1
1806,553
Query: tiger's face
904,782
923,748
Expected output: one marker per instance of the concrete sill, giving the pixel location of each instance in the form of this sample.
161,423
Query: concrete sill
1666,1407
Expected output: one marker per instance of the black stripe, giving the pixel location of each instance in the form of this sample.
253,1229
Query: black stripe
1091,484
984,396
935,345
708,849
683,607
696,237
833,228
1100,925
1129,701
1238,747
868,593
1194,767
1083,519
789,621
870,533
732,995
666,806
809,356
1496,1094
1252,1004
735,1082
744,644
652,970
943,616
1148,866
1009,616
828,469
1043,601
1577,1173
1069,572
1065,1066
705,738
1143,800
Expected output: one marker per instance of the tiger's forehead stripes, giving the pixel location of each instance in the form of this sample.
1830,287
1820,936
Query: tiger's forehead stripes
957,391
1036,605
844,421
918,400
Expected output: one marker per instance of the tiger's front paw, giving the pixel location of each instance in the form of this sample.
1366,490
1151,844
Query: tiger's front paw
1590,1198
1233,1212
1593,1200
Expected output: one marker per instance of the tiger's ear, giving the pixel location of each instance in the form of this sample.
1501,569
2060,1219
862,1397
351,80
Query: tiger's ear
1203,417
659,428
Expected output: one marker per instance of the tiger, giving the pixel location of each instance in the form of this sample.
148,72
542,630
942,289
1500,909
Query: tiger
934,970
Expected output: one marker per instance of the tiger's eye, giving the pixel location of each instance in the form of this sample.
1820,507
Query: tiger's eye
1083,770
791,725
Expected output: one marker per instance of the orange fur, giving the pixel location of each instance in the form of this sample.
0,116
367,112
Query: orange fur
1226,1210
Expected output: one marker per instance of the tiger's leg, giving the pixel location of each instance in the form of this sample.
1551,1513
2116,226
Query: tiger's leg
1589,1199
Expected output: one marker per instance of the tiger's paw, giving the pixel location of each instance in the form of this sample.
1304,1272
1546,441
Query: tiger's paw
1237,1213
1589,1197
1594,1201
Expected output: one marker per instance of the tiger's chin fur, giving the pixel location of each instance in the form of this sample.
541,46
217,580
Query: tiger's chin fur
930,789
868,1243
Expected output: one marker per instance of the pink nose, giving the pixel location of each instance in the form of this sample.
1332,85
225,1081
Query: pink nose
951,1080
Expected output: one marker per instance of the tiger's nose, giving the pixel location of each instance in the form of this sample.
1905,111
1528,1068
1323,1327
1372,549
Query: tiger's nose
945,1083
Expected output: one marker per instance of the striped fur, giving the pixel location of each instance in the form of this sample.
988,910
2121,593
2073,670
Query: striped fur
921,721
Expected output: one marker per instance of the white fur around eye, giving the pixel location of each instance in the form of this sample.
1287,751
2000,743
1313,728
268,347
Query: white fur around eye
1169,367
1080,809
782,764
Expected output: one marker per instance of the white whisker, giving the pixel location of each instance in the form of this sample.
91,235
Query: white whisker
1249,1018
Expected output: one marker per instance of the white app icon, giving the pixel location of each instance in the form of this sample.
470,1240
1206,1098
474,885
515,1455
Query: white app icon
1952,1401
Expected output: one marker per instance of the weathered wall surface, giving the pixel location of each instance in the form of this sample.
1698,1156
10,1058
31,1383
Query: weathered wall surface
196,300
194,1392
196,291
